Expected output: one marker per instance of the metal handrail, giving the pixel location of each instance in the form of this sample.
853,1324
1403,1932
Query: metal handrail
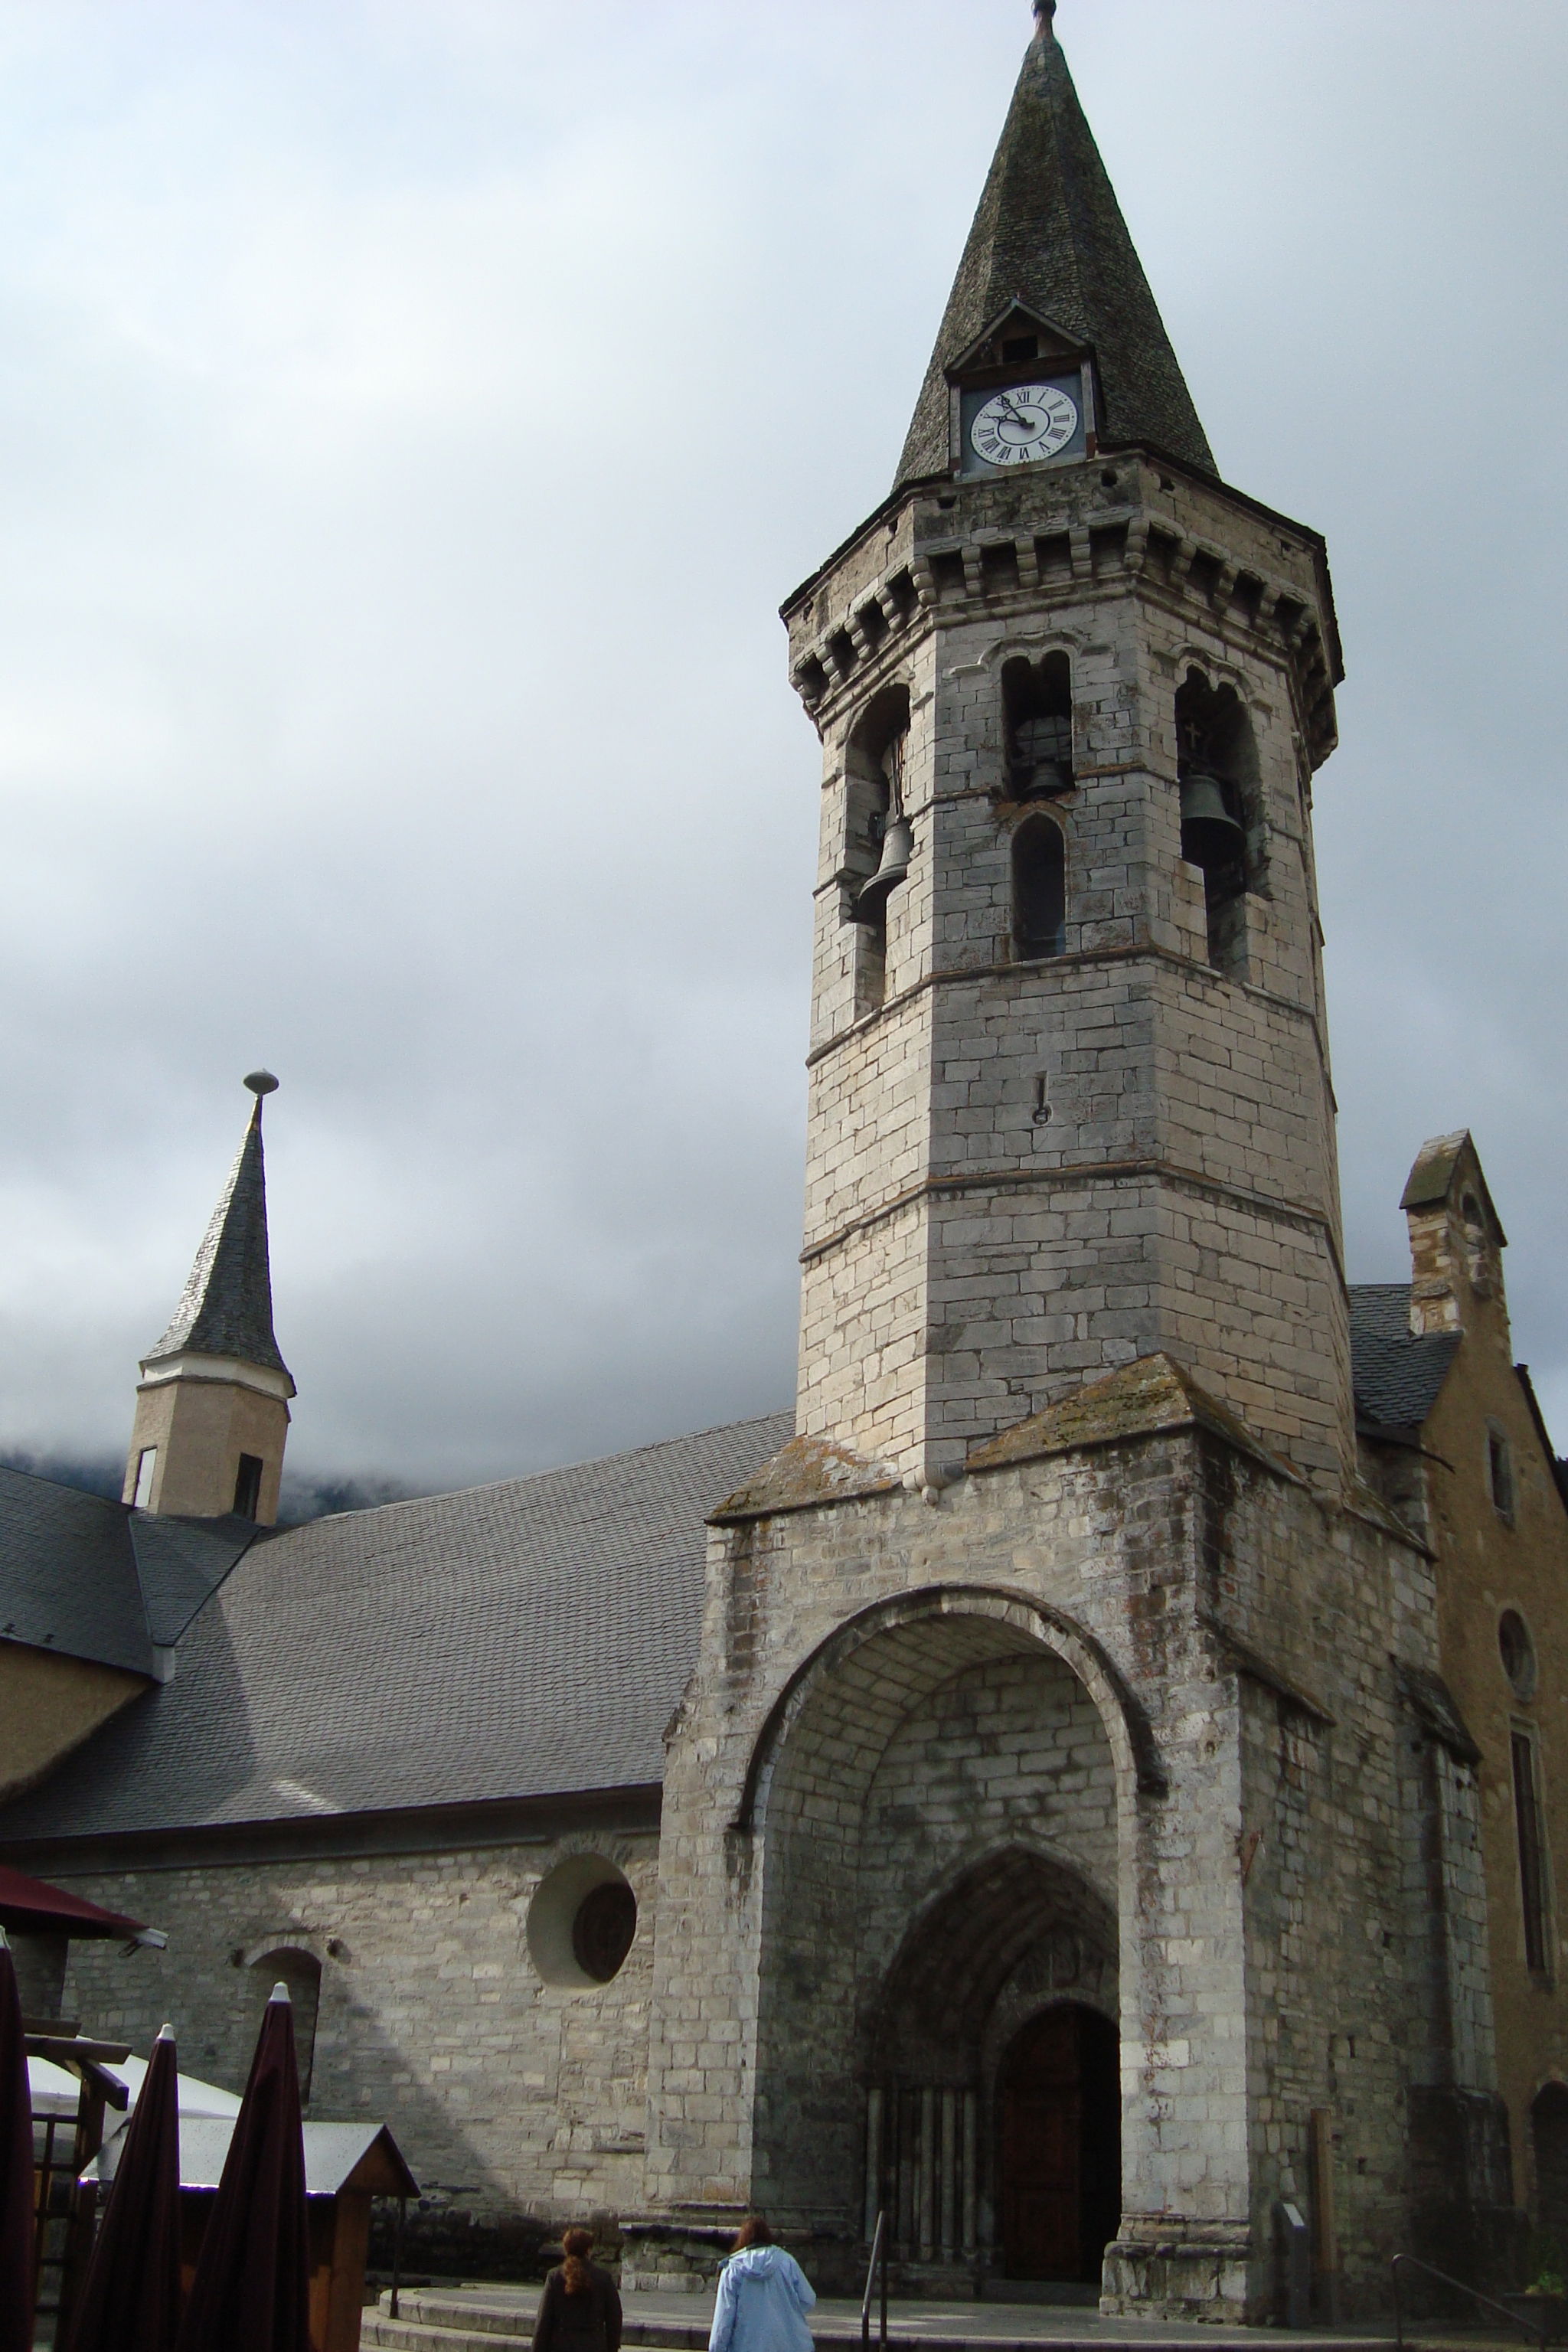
1525,2326
878,2262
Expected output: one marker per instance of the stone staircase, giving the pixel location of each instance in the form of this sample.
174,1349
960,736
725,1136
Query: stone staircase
501,2319
429,2320
436,2319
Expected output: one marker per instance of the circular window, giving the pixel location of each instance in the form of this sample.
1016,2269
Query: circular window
581,1922
603,1929
1518,1653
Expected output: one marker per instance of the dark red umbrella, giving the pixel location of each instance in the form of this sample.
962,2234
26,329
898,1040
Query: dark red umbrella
17,2222
29,1907
251,2291
130,2298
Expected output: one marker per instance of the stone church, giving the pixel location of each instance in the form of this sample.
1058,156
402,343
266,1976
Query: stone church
1085,1783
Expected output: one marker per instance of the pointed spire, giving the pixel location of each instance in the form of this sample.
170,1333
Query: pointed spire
1049,234
226,1308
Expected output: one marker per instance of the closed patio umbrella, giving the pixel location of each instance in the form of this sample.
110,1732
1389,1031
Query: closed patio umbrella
131,2300
252,2287
17,2223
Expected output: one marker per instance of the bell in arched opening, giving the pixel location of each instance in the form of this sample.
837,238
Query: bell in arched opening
1210,835
898,848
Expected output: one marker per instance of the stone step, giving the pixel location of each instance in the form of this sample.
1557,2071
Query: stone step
379,2332
504,2320
508,2320
434,2321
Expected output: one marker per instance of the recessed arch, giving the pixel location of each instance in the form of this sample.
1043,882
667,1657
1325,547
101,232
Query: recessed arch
949,1757
968,1941
1140,1769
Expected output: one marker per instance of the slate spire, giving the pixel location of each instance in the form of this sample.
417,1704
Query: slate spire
1049,234
226,1308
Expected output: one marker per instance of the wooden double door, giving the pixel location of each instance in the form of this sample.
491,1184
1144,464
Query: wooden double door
1059,2168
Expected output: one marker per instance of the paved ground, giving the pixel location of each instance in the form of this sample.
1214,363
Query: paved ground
679,2323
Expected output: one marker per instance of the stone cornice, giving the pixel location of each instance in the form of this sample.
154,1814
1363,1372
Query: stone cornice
1080,1174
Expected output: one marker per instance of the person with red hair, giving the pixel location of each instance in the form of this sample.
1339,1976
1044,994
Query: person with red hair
580,2309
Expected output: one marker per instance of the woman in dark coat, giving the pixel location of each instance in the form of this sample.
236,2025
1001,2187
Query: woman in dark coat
579,2310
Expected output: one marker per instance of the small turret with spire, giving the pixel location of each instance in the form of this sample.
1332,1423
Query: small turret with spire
212,1406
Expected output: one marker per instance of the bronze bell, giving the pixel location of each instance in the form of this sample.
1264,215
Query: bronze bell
1210,834
898,848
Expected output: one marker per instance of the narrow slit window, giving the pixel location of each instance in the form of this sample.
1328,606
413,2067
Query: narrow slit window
146,1470
247,1487
1532,1872
1039,890
1499,1473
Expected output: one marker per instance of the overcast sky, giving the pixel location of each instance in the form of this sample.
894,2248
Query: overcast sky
411,417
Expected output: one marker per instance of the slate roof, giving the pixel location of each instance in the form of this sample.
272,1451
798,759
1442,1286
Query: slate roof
97,1579
1396,1374
226,1308
1049,234
520,1640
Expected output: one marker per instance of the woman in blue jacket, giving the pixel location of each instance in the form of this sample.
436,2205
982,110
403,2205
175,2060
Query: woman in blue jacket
764,2297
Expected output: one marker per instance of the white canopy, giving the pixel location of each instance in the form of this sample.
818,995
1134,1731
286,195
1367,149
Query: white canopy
54,2090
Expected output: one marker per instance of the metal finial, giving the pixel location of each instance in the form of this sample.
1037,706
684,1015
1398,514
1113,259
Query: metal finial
262,1082
1045,10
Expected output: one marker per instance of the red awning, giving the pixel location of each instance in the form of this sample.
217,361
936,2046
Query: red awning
30,1909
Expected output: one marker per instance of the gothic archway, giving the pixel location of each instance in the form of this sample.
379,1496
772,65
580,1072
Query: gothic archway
970,2149
939,1802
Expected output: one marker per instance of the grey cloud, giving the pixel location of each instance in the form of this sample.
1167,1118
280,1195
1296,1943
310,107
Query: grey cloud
411,422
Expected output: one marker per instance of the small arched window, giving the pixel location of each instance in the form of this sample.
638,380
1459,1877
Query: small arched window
301,1972
1040,889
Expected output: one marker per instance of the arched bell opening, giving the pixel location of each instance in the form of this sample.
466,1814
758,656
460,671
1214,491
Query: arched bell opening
1037,712
993,2116
877,843
939,1814
1220,811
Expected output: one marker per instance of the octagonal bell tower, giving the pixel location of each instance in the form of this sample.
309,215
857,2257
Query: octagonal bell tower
1069,1090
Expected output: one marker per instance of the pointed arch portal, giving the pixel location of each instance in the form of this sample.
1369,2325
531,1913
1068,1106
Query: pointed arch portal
939,1812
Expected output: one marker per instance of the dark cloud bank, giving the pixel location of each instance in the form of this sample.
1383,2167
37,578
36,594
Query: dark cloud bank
411,423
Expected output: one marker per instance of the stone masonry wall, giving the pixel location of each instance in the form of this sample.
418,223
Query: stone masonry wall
510,2098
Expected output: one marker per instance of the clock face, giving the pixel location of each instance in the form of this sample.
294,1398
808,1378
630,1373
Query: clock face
1024,425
